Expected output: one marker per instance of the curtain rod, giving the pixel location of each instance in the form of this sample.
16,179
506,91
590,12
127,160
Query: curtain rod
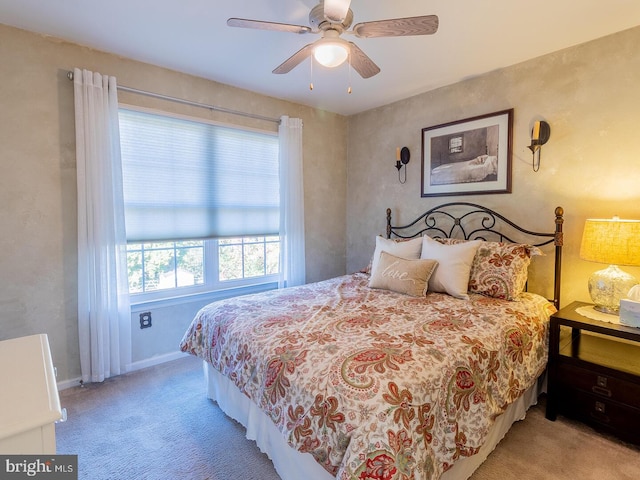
189,102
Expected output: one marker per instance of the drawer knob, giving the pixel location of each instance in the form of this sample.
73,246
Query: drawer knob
601,381
599,413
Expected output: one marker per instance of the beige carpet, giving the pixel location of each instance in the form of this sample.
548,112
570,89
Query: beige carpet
156,424
536,448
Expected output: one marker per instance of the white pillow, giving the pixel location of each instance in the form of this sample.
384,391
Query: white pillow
454,265
409,249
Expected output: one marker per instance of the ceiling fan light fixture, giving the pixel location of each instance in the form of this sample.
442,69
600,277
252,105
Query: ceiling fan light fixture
330,53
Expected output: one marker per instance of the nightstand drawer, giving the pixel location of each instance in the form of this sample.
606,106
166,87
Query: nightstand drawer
594,372
598,412
599,384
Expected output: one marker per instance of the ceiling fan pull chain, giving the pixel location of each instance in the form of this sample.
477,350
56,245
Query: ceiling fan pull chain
349,70
311,74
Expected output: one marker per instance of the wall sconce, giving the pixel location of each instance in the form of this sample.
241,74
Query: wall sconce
539,136
402,158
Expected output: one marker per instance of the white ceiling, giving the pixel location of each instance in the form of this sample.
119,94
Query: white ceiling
474,37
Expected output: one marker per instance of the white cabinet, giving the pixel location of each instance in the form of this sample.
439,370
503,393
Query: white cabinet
29,401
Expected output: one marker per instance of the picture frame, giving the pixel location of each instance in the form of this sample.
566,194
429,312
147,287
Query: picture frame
468,157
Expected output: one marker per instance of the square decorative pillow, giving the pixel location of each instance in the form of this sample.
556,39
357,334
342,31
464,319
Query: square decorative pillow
401,275
409,249
454,265
499,269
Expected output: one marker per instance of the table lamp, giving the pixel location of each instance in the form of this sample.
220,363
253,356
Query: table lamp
614,242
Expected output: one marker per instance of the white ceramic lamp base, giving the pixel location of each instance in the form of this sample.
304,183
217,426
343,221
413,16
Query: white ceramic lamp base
607,287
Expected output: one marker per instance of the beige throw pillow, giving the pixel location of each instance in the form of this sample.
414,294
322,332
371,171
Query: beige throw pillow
454,265
409,249
401,275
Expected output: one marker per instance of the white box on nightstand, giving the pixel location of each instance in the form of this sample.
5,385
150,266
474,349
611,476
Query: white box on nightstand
29,404
630,313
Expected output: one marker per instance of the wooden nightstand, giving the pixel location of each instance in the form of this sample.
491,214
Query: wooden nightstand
594,373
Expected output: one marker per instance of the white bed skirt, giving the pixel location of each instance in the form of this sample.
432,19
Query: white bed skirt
293,465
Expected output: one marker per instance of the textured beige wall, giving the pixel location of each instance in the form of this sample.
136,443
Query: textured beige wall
38,176
590,96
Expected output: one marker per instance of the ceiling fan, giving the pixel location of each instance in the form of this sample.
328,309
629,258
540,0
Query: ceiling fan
332,18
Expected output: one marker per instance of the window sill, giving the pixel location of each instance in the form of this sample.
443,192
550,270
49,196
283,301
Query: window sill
212,296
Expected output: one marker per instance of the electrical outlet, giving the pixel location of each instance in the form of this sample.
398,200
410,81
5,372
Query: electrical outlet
145,320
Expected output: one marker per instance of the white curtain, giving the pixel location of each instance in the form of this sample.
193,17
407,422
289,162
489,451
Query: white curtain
292,258
104,318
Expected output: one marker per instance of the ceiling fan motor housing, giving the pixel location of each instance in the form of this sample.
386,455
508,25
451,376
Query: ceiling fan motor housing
318,21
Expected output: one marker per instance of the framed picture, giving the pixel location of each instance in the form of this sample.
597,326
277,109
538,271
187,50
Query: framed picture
466,157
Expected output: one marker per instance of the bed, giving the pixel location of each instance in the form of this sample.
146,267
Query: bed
478,169
386,374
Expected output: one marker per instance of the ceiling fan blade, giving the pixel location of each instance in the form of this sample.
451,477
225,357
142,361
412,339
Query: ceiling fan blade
336,10
260,25
398,27
361,63
295,59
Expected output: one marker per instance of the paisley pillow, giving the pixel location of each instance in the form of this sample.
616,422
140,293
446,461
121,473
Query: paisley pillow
499,269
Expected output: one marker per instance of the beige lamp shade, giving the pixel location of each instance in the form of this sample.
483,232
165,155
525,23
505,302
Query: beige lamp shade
612,241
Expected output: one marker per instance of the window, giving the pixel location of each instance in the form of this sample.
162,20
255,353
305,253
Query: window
160,266
455,144
201,205
248,257
163,265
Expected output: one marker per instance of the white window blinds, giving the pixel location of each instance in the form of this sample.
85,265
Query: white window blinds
185,179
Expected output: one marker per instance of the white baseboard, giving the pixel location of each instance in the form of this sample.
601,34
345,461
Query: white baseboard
73,382
148,362
157,360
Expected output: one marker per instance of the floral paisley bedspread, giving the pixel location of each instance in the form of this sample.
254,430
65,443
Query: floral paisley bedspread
376,384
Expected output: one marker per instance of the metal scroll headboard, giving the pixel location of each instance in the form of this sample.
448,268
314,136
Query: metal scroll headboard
470,221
